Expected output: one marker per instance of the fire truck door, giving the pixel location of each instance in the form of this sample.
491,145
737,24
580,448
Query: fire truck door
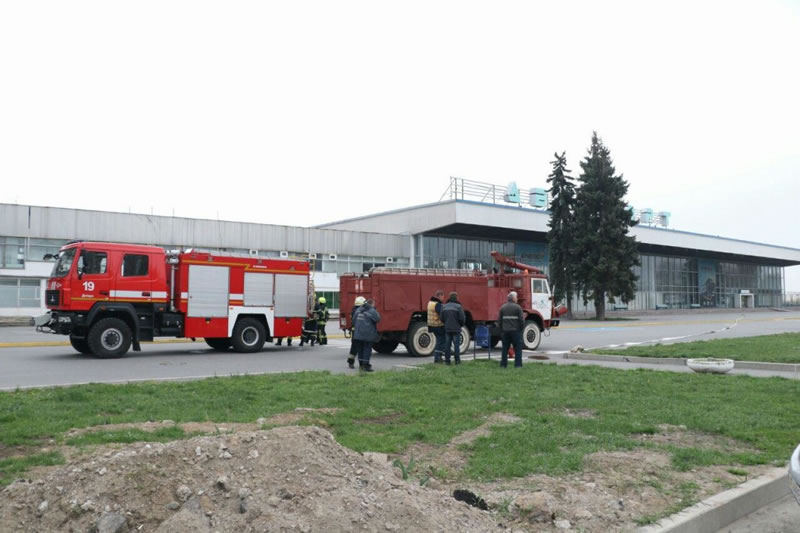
94,276
134,283
540,297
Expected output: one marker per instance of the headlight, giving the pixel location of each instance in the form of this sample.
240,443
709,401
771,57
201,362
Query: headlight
65,319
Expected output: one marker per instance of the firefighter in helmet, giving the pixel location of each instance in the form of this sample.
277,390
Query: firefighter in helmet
322,315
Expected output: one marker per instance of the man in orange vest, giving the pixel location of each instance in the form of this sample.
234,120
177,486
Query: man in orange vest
435,324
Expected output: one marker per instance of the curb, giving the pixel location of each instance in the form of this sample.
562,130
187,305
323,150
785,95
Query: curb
721,510
679,361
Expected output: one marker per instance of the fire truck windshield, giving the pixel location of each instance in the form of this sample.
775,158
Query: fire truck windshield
64,263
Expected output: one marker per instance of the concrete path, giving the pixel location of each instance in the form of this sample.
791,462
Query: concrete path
782,516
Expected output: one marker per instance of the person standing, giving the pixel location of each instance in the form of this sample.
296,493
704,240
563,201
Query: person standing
435,324
351,359
322,316
366,333
511,322
454,319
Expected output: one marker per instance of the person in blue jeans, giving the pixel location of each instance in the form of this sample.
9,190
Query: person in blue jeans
454,318
435,324
511,322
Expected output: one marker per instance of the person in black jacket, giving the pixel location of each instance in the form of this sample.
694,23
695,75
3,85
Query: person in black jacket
454,318
511,322
366,333
351,359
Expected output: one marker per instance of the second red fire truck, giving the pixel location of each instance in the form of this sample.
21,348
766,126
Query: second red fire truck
401,296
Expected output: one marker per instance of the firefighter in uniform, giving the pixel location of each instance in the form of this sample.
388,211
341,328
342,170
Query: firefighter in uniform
322,315
436,326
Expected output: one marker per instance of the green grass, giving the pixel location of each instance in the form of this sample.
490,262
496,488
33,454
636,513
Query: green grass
165,434
12,467
388,411
781,348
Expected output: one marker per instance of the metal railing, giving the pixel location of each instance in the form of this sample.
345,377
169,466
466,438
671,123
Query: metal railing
418,271
465,189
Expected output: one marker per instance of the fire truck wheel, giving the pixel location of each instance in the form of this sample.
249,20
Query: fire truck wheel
386,347
248,335
420,341
494,341
531,335
80,344
464,340
109,337
221,344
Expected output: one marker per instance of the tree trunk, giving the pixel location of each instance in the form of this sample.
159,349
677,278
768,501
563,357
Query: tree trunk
600,306
569,306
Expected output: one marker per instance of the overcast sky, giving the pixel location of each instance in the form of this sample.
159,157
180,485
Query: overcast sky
300,113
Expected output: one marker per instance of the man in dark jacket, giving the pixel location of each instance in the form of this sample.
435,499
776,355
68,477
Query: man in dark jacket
435,324
366,333
511,322
454,318
351,359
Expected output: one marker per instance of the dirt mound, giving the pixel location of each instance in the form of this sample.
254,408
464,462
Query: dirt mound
288,478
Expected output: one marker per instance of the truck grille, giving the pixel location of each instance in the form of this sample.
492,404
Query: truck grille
51,297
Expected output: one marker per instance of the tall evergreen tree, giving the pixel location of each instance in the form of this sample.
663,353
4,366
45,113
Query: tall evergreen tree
604,252
562,222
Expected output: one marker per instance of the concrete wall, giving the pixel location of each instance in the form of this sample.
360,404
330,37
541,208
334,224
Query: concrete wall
410,221
69,224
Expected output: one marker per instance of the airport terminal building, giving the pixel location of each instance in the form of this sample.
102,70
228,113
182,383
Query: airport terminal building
678,269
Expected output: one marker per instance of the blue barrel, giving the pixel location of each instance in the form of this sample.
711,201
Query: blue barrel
482,336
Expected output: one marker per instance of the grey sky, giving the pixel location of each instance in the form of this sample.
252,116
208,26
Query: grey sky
305,112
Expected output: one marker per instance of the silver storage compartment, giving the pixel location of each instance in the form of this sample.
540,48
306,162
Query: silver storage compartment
208,291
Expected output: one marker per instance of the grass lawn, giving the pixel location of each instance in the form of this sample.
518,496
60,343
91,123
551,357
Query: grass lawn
781,348
387,411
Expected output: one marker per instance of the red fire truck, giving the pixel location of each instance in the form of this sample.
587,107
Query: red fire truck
401,297
107,296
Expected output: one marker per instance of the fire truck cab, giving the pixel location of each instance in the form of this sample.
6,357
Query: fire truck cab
109,296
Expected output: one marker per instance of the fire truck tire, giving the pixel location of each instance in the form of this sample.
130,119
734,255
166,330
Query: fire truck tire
109,338
465,339
386,347
221,344
531,335
420,341
80,344
494,342
249,335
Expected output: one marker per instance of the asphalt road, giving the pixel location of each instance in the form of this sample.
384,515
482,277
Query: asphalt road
32,366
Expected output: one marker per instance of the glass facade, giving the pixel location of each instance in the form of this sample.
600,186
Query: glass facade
664,281
449,252
14,251
16,292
